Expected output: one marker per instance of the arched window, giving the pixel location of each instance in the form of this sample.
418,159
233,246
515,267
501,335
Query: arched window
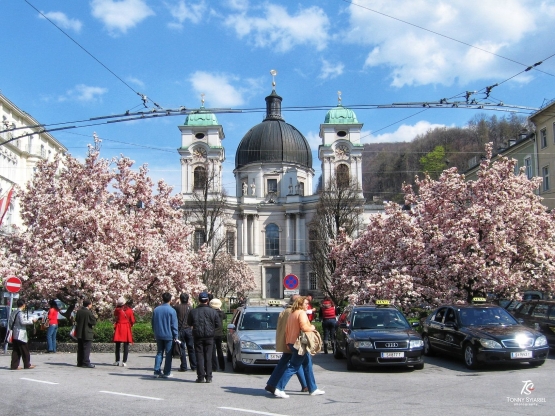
200,178
272,240
342,176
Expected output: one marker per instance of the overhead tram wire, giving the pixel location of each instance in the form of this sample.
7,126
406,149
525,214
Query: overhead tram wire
144,98
445,36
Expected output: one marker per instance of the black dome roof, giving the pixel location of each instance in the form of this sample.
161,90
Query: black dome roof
273,140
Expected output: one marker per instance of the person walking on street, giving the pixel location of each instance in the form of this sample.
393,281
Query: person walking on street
297,322
216,304
286,355
164,325
327,312
84,321
124,319
185,333
310,311
52,330
18,325
205,323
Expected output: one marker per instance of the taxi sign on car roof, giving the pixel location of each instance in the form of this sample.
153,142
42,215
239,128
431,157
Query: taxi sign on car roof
479,300
382,302
274,303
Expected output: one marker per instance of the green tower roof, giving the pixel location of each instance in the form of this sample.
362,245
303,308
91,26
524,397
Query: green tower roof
341,115
201,118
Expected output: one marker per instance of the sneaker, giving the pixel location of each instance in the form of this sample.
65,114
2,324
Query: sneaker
116,363
167,375
270,389
182,370
317,392
280,394
157,375
124,364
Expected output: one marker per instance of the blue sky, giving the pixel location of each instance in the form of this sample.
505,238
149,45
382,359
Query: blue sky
174,50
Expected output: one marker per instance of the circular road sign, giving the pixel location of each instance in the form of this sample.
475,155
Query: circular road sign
290,282
12,284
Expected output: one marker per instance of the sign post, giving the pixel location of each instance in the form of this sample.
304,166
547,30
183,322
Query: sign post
12,285
290,285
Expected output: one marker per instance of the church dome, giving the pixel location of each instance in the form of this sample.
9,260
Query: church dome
341,115
201,118
273,140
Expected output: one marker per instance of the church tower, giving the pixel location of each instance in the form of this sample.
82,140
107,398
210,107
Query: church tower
341,150
201,151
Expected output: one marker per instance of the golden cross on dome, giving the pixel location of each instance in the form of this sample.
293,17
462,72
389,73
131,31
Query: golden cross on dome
274,73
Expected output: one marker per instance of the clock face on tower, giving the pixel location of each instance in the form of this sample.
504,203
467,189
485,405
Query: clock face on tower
199,153
342,152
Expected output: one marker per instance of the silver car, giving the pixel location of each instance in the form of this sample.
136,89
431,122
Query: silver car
251,337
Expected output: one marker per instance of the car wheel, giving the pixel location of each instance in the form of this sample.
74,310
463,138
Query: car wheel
427,346
336,352
350,365
536,363
228,355
237,366
470,358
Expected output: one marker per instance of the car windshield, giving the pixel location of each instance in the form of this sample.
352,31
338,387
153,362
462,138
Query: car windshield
253,321
386,318
486,316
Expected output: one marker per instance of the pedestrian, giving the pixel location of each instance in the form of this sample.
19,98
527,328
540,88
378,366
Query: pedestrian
329,321
52,330
18,325
164,325
205,322
185,333
311,312
216,304
297,322
85,321
286,355
124,319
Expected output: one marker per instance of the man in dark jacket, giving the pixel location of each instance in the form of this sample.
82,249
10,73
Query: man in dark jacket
164,326
185,333
205,321
85,320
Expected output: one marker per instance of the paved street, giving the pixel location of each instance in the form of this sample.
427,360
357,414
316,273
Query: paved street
444,387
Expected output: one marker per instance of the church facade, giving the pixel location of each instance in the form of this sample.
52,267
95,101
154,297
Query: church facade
267,223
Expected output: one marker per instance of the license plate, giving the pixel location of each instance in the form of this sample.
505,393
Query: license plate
392,354
523,354
273,356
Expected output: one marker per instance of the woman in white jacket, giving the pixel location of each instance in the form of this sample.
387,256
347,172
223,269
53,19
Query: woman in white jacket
18,324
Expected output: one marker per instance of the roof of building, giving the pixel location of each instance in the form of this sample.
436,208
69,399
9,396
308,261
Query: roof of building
273,140
201,118
341,115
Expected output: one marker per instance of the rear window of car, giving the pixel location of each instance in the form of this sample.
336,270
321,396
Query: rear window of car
540,311
253,321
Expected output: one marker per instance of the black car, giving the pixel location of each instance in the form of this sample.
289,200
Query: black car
3,322
377,335
482,333
540,315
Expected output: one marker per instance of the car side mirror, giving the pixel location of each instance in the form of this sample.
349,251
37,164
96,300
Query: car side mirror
231,327
415,324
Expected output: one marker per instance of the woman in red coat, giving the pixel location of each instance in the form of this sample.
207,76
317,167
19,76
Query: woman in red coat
124,320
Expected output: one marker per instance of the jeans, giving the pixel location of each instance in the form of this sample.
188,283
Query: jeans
328,325
218,355
203,349
297,361
280,369
163,346
187,348
51,338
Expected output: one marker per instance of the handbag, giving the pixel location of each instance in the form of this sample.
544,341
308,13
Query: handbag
9,336
73,333
45,324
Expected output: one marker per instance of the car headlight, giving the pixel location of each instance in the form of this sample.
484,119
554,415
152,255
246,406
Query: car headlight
416,343
363,344
540,341
248,345
490,343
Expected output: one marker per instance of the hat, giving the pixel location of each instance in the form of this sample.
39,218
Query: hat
120,301
216,303
203,296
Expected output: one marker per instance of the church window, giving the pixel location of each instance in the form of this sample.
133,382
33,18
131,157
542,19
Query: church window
230,242
272,240
312,281
199,239
272,185
341,133
342,176
200,177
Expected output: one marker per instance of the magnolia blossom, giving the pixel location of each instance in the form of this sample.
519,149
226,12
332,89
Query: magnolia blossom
98,230
460,239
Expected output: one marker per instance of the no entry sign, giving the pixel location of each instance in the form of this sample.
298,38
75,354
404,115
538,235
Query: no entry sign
12,284
290,282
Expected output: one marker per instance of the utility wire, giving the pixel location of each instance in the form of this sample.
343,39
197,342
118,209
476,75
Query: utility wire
444,36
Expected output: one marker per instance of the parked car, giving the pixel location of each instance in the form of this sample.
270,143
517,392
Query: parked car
40,311
251,337
4,314
482,333
540,315
377,335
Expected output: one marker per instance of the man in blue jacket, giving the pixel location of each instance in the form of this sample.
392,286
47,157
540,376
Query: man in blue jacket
164,325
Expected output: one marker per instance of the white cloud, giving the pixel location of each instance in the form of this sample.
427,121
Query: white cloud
119,16
63,21
136,81
418,57
84,93
279,30
405,133
237,4
330,71
314,140
223,90
182,12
